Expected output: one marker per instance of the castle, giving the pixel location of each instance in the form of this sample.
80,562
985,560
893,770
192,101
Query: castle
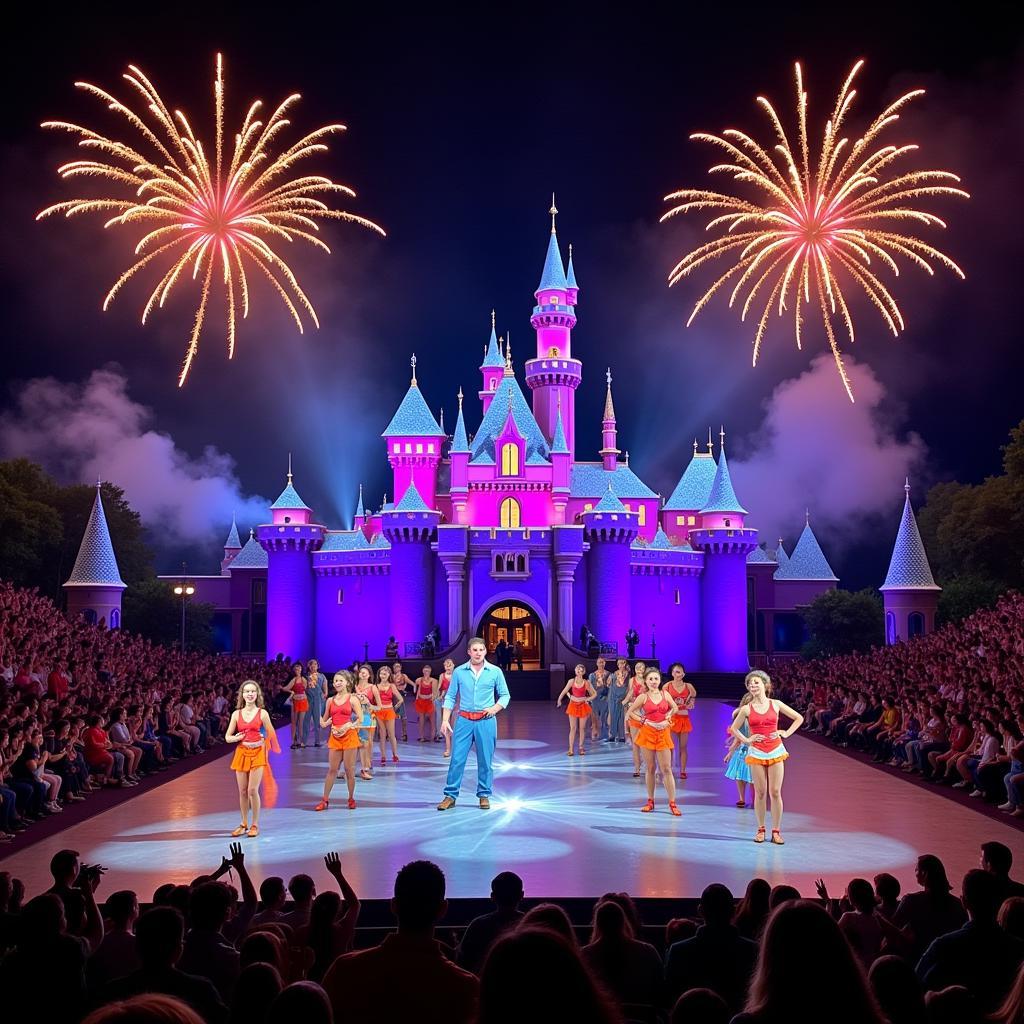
506,533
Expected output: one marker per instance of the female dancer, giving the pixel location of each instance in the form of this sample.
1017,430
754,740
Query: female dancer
736,767
766,753
633,719
296,686
369,700
618,692
248,726
402,683
443,684
655,737
580,694
599,679
683,695
426,694
390,704
342,713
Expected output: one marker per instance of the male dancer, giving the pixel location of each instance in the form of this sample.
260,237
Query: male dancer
482,692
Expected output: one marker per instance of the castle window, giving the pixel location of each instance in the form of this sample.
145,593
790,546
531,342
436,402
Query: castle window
396,447
589,507
430,448
510,563
521,563
510,512
499,563
642,509
494,383
915,624
728,523
691,520
552,352
680,520
90,616
677,596
341,595
408,448
115,619
510,459
419,449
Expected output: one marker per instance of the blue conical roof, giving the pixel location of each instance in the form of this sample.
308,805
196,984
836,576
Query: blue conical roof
96,564
808,561
661,540
570,274
360,511
558,443
694,487
233,540
460,440
780,554
492,357
413,417
553,275
908,567
760,557
494,422
412,501
722,497
252,556
610,503
289,499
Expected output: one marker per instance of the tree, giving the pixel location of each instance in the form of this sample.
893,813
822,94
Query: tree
153,611
31,530
963,595
841,622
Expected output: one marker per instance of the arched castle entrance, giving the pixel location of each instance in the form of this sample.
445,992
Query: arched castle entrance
514,621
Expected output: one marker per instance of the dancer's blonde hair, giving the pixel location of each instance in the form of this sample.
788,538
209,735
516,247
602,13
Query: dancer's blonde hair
240,700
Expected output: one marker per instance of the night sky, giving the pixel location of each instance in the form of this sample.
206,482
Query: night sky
460,127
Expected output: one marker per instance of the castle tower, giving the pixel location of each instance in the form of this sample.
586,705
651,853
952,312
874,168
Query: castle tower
231,547
553,376
95,586
290,540
411,527
414,441
492,368
609,453
726,544
909,592
680,513
561,471
459,457
610,530
359,520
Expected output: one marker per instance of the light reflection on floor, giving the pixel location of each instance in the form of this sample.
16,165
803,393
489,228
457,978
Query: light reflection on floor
570,827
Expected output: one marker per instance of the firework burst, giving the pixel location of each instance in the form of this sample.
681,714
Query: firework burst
213,221
812,230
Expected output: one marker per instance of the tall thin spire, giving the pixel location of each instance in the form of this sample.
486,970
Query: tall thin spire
553,211
509,372
289,467
412,363
711,446
609,409
721,437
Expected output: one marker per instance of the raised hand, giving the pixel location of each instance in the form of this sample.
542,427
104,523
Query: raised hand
819,887
237,859
333,864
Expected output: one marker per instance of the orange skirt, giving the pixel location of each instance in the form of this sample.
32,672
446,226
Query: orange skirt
682,723
578,710
634,723
350,741
300,704
385,715
766,761
650,738
247,759
424,706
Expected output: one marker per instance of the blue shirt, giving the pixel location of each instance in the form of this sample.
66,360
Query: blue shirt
477,693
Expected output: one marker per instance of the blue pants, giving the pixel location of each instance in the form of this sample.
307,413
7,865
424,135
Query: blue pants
482,734
312,723
617,727
601,710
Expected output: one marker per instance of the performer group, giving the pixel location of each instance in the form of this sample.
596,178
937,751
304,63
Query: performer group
638,706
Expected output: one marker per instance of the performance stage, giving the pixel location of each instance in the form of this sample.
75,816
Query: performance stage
570,827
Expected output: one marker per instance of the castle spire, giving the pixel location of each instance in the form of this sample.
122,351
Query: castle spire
570,279
609,432
509,372
412,363
460,440
553,211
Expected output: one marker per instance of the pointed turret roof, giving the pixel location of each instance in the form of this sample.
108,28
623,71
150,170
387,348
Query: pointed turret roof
233,542
492,357
780,553
460,440
96,564
553,274
609,409
494,421
610,503
908,567
412,501
808,561
661,540
570,274
559,445
252,556
694,487
289,498
413,417
360,511
760,557
722,497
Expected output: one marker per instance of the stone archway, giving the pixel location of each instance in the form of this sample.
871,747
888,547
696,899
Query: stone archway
514,621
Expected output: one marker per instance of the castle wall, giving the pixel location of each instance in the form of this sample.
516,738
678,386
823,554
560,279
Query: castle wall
672,603
343,628
791,594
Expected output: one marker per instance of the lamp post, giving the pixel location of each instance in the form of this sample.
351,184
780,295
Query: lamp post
185,589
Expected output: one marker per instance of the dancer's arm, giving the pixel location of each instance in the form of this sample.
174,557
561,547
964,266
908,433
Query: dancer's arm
673,709
591,692
798,720
271,732
563,694
449,704
325,718
349,911
635,705
232,735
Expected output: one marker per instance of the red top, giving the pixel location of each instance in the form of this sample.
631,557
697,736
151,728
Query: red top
637,688
680,697
387,695
340,712
57,685
427,690
579,689
655,712
765,723
251,731
299,689
446,681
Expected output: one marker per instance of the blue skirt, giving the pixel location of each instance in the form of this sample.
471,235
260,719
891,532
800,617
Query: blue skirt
737,767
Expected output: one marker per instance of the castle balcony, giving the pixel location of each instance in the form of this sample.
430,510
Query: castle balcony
554,370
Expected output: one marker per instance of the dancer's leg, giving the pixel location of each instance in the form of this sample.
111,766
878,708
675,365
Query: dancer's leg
665,764
775,774
334,761
243,795
649,774
253,790
760,779
350,771
684,743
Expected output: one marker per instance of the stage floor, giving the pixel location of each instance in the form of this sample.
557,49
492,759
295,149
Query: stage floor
568,826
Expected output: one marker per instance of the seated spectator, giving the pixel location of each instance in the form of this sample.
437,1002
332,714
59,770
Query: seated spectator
898,990
862,925
303,1001
146,1009
629,969
302,890
753,911
481,932
717,957
432,989
206,952
159,937
934,911
700,1006
782,894
116,956
980,955
805,968
680,928
264,946
953,1005
997,860
255,990
561,988
1011,917
887,889
332,923
550,915
273,895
